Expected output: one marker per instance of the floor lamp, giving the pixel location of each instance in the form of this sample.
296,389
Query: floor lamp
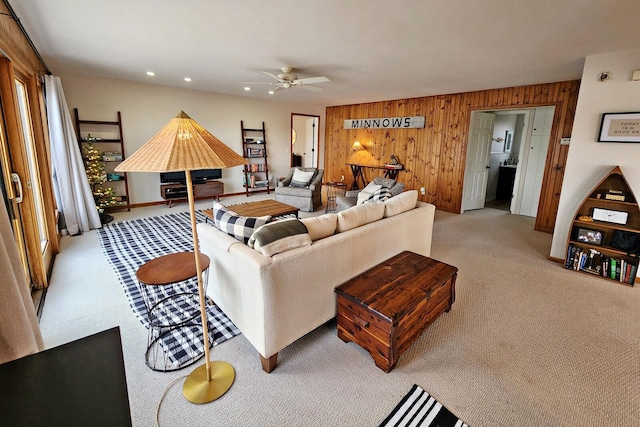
184,145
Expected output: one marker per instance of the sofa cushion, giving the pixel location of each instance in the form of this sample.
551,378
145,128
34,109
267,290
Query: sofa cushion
238,226
359,215
379,195
321,226
301,178
280,236
400,203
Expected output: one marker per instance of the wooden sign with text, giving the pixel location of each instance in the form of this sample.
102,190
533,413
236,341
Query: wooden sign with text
386,123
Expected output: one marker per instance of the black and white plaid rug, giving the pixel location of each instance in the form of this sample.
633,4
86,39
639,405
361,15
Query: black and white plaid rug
129,244
419,409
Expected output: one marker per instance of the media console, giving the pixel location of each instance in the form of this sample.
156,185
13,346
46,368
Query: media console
178,192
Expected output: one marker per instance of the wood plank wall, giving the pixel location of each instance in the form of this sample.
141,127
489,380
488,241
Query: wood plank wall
16,45
434,157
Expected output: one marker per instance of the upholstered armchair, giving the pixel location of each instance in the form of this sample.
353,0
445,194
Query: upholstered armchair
350,198
302,188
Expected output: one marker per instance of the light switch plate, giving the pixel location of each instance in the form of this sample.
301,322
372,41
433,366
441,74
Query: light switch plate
565,141
636,75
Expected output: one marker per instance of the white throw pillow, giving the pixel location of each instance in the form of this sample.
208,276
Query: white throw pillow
321,226
402,202
359,215
301,178
367,192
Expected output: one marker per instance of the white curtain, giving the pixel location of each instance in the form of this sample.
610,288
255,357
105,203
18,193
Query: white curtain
19,331
71,186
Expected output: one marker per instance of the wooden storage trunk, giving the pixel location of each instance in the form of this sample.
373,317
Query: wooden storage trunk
388,306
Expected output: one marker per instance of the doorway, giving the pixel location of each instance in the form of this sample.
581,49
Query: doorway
305,134
507,171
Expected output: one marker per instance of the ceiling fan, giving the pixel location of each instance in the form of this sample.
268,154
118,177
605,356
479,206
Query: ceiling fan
287,80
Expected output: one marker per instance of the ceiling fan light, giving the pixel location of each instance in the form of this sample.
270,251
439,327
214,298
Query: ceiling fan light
286,85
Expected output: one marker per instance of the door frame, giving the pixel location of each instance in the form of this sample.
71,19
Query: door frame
315,143
39,258
555,129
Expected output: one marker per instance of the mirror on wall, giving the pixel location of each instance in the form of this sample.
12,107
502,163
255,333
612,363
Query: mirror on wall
305,133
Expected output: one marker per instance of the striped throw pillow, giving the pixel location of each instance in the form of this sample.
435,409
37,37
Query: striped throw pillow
379,195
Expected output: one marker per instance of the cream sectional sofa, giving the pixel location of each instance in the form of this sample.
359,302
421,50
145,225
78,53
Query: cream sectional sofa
275,300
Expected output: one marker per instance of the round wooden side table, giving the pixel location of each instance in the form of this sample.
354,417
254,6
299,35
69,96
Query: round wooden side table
173,310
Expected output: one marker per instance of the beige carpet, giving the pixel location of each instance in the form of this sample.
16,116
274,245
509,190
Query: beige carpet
526,343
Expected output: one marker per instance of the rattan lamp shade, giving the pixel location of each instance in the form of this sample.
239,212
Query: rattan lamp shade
182,145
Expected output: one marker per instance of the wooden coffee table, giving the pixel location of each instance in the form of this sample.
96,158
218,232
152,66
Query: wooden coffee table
388,306
261,208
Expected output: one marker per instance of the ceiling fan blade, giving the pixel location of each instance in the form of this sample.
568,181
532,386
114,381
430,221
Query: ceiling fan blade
272,76
312,88
314,80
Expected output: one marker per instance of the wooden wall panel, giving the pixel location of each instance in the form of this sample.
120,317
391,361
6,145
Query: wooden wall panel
16,45
434,157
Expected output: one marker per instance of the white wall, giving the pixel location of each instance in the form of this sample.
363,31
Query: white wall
146,108
588,160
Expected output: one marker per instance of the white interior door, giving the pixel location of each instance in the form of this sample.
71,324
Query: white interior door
536,160
478,156
310,158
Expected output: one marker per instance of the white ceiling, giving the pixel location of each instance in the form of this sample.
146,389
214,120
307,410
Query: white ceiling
371,50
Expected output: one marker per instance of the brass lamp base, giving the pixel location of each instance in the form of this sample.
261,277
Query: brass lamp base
197,389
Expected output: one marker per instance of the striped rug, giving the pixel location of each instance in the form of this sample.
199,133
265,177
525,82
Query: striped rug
129,244
418,408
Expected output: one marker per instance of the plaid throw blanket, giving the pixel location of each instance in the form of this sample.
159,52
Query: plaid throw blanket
129,244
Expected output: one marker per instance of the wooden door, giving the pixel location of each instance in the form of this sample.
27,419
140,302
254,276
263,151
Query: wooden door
478,157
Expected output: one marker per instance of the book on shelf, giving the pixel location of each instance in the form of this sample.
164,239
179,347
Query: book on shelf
594,262
255,152
256,167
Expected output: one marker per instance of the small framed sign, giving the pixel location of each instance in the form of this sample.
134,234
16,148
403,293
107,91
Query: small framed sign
620,127
607,215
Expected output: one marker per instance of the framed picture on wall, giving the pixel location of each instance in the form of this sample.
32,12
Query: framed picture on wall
620,127
508,141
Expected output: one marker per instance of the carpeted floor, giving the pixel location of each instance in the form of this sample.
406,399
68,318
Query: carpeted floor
526,343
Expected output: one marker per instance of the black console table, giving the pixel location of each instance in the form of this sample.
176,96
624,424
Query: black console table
81,383
358,174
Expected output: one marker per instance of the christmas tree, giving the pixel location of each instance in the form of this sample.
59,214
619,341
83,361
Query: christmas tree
96,174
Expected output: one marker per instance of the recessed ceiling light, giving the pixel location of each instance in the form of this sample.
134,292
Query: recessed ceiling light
247,88
151,73
187,79
271,92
